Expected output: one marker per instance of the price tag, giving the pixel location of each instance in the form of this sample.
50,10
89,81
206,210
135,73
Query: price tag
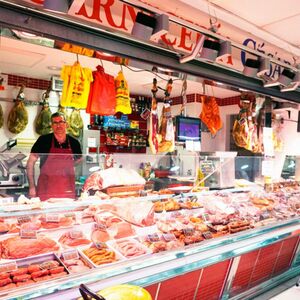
6,200
69,215
207,235
101,245
188,231
169,237
205,217
100,227
267,168
145,114
48,265
76,234
8,267
52,218
70,254
153,237
265,215
28,234
23,219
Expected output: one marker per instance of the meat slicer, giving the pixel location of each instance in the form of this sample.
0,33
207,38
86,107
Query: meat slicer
12,171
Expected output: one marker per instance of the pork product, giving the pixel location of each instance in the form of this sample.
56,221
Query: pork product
17,118
68,240
43,120
16,247
75,123
210,114
153,128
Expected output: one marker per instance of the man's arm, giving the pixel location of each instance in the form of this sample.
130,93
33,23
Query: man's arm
30,173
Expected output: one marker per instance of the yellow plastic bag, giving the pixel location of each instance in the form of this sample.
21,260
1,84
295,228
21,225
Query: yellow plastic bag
122,94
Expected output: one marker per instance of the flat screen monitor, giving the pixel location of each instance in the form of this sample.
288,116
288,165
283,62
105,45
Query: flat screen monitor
188,129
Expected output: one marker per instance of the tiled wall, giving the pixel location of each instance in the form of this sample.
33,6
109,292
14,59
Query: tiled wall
32,83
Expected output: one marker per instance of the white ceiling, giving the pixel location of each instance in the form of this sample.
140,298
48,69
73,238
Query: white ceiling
280,18
274,21
31,60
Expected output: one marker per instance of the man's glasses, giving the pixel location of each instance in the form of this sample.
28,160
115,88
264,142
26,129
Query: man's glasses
58,123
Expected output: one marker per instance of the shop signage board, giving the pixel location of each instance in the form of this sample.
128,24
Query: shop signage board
120,16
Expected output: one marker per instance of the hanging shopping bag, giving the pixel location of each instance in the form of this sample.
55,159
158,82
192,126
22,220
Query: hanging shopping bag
122,94
102,97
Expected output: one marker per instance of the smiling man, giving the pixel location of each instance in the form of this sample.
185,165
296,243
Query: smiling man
58,153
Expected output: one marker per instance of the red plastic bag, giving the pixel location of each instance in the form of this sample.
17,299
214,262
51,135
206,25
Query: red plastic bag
102,97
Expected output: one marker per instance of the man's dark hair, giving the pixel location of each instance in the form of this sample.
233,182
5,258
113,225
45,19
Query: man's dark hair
58,114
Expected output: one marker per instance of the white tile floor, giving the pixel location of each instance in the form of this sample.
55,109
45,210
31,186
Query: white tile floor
292,293
285,291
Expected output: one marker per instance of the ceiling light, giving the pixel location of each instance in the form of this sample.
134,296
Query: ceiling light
210,50
293,85
264,66
251,67
286,77
59,6
195,51
290,87
161,26
146,26
225,49
54,68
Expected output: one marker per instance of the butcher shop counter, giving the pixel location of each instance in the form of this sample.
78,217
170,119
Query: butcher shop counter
235,264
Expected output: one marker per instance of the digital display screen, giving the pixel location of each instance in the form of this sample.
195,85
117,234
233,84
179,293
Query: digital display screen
188,129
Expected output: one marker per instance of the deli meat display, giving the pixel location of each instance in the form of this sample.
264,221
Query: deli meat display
98,240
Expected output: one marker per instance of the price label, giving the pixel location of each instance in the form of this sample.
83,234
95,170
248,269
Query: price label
145,114
28,234
8,267
70,254
76,234
101,245
169,237
23,219
48,265
52,218
265,215
188,231
100,227
69,215
6,200
205,217
207,235
153,237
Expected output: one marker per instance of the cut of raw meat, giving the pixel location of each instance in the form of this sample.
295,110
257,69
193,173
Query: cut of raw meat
16,247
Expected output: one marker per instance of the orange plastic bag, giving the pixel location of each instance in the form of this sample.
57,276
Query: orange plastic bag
102,97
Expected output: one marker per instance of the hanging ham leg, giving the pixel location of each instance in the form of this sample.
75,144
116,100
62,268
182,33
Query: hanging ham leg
153,142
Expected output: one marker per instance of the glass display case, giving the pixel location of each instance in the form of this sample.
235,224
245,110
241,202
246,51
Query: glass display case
122,227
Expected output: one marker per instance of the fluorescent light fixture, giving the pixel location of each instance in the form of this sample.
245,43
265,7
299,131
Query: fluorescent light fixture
225,50
195,51
264,66
59,6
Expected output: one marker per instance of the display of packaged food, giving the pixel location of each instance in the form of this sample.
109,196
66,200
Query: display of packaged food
31,271
101,254
129,247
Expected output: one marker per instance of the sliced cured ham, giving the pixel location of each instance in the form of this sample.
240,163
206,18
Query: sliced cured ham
67,240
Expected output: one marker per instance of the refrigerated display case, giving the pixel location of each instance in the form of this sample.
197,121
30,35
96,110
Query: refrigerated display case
215,244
